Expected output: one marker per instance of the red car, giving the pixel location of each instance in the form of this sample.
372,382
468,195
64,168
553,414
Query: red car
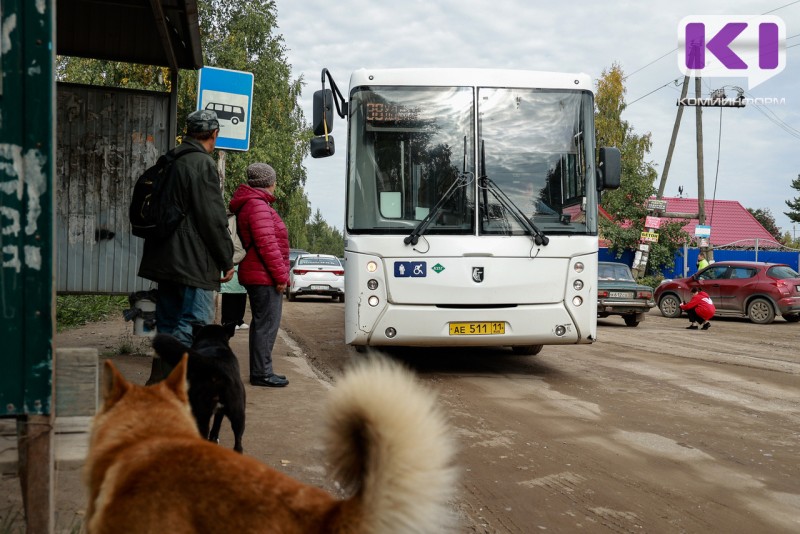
757,290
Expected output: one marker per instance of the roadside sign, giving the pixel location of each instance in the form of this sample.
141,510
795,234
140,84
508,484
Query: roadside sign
649,237
657,205
652,222
702,231
229,93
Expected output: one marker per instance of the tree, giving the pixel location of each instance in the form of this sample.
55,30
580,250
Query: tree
765,219
794,204
627,205
322,239
241,35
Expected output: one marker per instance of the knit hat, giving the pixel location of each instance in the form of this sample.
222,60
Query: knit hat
260,175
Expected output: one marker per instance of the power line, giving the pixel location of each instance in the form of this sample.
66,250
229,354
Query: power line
660,58
777,8
676,48
675,81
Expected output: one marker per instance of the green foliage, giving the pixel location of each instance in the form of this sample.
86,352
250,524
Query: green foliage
112,74
322,239
627,205
765,219
240,35
794,204
653,280
78,310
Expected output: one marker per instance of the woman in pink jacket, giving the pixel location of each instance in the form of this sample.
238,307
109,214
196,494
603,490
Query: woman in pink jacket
700,309
264,271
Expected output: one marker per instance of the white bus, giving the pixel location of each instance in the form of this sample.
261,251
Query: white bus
471,206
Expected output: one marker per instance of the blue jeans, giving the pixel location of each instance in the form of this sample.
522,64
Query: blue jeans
179,308
266,305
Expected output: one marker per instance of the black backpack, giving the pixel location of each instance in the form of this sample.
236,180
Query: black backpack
149,213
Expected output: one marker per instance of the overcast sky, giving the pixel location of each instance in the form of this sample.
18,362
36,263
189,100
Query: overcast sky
759,145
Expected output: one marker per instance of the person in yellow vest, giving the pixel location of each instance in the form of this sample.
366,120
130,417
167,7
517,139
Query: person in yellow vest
702,262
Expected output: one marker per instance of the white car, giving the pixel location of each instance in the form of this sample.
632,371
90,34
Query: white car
316,274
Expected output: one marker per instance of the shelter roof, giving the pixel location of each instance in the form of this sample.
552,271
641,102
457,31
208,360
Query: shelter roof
148,32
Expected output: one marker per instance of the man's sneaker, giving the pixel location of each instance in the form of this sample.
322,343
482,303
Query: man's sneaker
271,381
707,325
691,327
243,326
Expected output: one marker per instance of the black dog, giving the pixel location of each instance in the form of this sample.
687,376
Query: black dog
215,384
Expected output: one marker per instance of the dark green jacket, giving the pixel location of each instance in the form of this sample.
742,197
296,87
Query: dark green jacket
200,249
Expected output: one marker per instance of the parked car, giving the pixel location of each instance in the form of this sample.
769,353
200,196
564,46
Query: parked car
757,290
618,293
316,274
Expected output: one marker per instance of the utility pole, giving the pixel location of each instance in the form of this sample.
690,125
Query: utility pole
672,140
701,182
717,99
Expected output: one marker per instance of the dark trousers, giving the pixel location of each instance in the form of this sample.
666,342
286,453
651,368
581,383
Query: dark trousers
179,309
266,305
693,317
233,305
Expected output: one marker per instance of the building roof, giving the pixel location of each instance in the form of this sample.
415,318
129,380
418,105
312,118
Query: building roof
730,222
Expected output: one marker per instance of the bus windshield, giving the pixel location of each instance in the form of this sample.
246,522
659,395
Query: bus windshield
410,146
534,150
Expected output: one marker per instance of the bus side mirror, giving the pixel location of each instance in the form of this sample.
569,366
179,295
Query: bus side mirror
323,112
610,168
322,146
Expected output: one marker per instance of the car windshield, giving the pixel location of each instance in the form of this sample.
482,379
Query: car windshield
328,262
782,272
617,273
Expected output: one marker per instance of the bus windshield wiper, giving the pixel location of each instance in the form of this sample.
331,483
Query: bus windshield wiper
460,181
487,184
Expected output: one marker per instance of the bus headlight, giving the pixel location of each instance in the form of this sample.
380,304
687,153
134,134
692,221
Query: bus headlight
390,332
561,330
372,267
577,285
578,267
577,301
372,284
373,301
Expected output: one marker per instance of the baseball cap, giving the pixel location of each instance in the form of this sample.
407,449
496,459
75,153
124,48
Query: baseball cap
202,120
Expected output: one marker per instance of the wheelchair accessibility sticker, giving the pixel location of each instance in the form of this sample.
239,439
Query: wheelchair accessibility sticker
410,269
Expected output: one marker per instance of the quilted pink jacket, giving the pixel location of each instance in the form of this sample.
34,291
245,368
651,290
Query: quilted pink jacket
264,235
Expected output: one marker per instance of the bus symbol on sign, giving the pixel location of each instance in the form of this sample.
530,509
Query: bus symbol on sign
410,269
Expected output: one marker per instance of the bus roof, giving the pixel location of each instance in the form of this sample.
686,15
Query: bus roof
470,78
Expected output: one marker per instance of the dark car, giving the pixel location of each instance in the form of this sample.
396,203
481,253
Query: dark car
757,290
618,293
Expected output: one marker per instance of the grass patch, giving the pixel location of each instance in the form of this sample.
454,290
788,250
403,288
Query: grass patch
77,310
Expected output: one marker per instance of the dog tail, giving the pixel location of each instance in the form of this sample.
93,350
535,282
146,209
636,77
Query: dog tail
169,348
390,443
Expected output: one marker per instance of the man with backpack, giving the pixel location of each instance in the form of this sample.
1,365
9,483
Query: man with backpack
187,263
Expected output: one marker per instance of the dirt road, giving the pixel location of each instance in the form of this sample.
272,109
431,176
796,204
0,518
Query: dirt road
651,429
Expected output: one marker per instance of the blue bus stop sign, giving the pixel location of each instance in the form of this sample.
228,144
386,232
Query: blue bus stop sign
230,94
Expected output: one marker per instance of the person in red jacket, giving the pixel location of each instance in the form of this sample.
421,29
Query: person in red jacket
264,271
700,309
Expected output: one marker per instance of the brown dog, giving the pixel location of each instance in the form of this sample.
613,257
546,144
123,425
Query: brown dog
148,469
